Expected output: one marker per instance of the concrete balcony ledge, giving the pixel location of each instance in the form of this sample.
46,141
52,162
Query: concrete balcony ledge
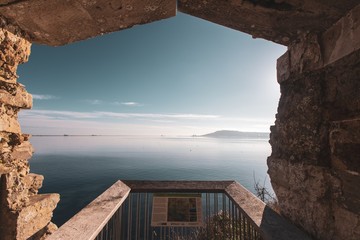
90,221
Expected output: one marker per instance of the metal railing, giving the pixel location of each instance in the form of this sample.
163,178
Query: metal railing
216,210
221,219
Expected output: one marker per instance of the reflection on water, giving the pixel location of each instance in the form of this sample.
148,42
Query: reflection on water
80,168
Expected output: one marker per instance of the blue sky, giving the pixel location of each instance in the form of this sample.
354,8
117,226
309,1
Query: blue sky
179,76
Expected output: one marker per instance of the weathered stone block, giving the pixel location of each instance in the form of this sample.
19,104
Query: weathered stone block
341,88
300,134
303,192
26,222
45,232
36,215
345,145
276,20
7,75
14,192
22,152
8,119
78,20
347,224
314,164
342,38
298,177
349,197
305,55
283,67
4,169
14,50
14,95
33,182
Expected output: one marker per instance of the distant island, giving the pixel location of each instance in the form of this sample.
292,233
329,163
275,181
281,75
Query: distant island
235,134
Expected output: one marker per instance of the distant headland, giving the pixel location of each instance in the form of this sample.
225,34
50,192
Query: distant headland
235,134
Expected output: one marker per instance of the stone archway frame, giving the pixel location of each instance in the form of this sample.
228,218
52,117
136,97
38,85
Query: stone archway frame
323,41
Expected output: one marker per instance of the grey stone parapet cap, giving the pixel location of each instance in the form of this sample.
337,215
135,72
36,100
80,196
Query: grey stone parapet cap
87,224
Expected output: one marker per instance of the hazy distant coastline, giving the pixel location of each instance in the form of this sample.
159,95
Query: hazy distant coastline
217,134
235,134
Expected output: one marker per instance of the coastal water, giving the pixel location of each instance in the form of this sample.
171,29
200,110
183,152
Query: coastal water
82,167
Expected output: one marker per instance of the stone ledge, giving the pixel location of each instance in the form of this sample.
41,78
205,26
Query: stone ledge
8,119
86,224
17,154
78,20
271,224
36,214
345,145
342,38
15,95
14,50
316,51
33,182
89,222
279,21
46,231
23,151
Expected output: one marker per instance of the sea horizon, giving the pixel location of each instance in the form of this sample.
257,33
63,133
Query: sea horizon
81,168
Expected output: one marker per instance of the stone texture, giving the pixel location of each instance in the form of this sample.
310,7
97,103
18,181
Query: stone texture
45,232
279,21
303,193
343,38
14,94
31,219
26,215
13,51
33,183
87,223
300,134
345,139
350,230
314,51
314,165
8,120
56,23
36,215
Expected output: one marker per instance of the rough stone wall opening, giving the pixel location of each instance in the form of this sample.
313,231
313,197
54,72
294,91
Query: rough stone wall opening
50,227
315,140
314,166
23,213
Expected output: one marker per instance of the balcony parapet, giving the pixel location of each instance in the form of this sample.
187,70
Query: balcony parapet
93,219
89,222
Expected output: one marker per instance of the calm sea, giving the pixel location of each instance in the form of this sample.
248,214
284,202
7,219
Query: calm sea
80,168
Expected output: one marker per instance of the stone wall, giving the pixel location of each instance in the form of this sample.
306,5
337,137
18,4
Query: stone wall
23,213
314,166
315,161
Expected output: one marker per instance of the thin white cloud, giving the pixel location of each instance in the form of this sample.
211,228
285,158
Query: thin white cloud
132,104
52,114
93,101
54,122
43,97
128,104
113,115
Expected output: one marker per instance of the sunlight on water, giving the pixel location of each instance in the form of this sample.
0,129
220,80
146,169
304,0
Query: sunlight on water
80,168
